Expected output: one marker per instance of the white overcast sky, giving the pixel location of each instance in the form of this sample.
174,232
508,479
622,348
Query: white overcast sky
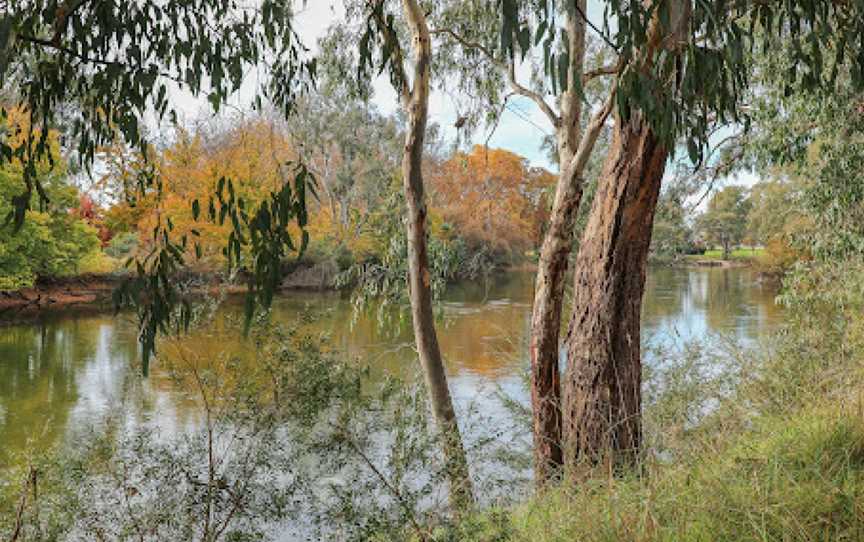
522,125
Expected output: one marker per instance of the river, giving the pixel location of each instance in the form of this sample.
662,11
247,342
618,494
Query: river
64,372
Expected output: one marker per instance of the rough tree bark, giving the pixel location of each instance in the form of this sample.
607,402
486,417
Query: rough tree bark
604,373
415,103
548,304
602,389
551,268
574,150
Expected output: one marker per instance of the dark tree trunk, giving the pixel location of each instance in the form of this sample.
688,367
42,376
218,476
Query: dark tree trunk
548,303
602,388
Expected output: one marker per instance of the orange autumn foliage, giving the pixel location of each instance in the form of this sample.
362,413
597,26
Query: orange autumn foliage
251,154
492,197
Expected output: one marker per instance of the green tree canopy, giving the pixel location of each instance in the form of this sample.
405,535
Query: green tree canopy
725,220
52,242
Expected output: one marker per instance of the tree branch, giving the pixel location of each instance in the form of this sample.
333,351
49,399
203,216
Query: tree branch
599,32
508,68
63,13
586,145
90,60
535,96
600,72
467,44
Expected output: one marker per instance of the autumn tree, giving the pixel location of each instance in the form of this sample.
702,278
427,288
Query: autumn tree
100,67
250,152
492,197
778,220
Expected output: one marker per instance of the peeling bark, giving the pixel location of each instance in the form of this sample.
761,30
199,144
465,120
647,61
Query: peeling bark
603,384
551,269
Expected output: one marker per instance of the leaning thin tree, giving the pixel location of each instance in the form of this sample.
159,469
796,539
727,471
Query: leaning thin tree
414,96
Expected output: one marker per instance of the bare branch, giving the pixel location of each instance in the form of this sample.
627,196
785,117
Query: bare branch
600,72
535,96
497,120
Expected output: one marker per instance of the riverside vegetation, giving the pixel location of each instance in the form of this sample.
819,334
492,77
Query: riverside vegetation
649,110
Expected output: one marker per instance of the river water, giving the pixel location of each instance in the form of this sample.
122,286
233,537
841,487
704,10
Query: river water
63,373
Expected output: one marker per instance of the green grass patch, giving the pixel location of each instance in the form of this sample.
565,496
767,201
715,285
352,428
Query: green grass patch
741,254
799,478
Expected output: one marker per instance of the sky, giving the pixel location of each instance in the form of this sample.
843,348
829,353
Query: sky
522,126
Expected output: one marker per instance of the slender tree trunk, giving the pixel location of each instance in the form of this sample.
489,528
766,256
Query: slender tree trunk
416,105
603,380
545,329
551,269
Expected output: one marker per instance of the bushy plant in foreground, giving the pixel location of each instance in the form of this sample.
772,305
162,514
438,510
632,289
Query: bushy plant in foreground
288,436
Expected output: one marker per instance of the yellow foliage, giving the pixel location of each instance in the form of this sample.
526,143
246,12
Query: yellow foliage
252,155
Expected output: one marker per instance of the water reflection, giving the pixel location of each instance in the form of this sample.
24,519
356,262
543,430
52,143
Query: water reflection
64,373
683,304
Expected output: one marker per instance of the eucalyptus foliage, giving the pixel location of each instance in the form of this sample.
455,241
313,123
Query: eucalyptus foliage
100,68
684,95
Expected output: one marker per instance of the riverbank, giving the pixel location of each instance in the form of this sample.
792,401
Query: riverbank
779,455
741,257
94,290
46,294
712,258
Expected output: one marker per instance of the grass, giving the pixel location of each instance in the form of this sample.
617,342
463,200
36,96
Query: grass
780,458
740,254
798,478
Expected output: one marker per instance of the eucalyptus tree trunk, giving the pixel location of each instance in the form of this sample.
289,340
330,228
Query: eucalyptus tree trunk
416,103
574,148
603,381
603,384
552,266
